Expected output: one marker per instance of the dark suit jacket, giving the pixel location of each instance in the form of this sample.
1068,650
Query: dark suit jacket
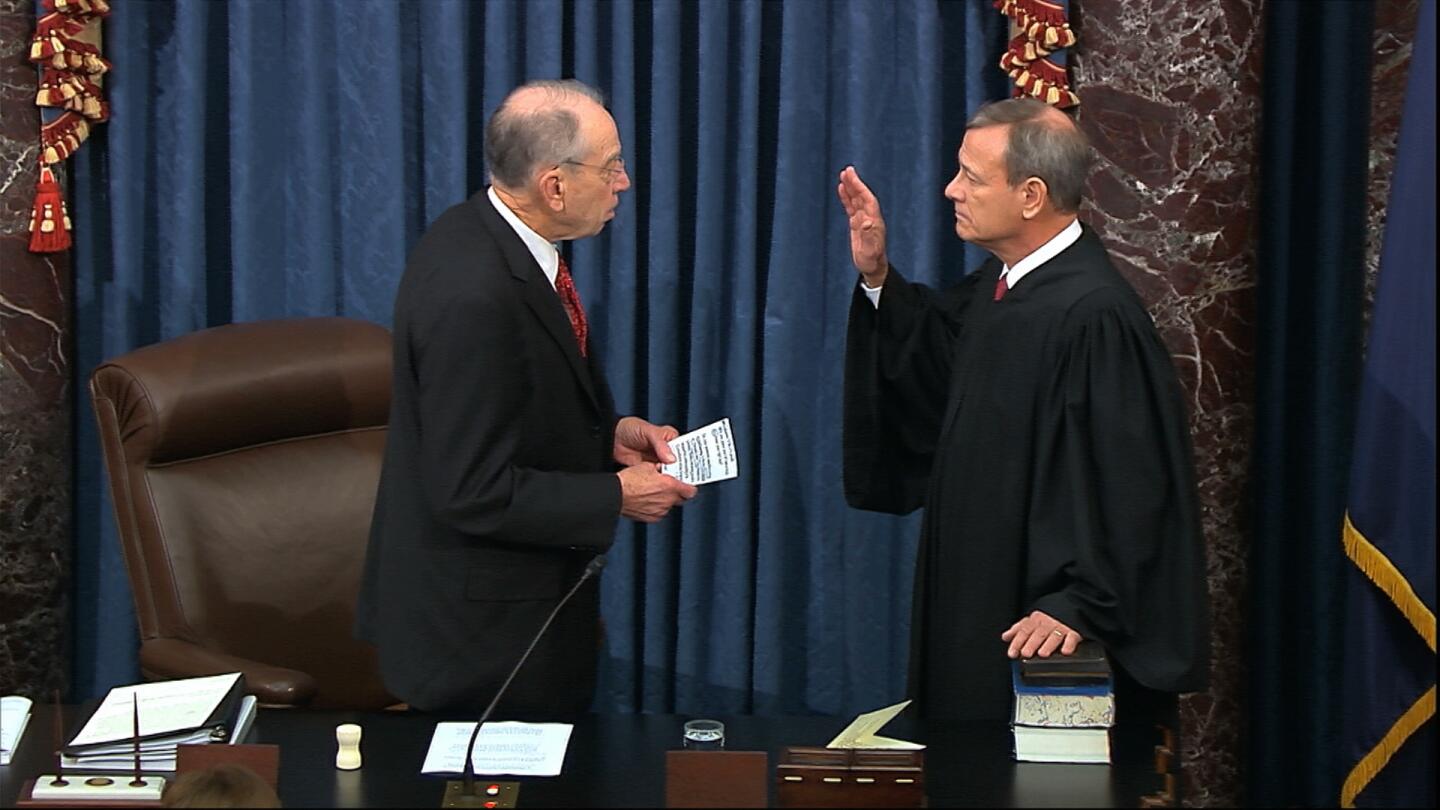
498,484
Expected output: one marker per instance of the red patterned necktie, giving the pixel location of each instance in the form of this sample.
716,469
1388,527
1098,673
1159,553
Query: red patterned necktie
565,285
1000,288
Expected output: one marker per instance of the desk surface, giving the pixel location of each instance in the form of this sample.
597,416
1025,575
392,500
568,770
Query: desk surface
619,761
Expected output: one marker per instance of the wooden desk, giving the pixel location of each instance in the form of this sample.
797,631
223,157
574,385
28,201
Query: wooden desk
619,761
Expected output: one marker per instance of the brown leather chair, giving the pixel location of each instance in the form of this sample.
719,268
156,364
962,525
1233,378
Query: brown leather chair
243,463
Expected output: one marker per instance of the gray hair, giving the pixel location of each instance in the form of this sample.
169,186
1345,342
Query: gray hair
518,142
1038,146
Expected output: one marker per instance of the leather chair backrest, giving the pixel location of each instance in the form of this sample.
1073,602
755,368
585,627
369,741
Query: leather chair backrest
243,462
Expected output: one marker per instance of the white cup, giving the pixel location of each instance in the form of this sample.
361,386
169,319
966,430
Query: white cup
347,756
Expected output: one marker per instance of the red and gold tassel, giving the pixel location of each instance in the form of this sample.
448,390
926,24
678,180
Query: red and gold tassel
49,218
1046,81
60,138
51,33
1042,23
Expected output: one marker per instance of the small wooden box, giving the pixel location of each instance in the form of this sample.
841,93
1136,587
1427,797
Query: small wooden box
716,779
849,777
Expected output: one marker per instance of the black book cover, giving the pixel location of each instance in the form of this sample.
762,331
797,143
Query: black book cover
1087,665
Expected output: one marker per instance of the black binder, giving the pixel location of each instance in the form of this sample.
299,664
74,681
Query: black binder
216,728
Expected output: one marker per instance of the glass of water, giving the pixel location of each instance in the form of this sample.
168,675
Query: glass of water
705,735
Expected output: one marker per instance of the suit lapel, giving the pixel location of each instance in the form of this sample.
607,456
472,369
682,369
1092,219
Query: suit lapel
535,290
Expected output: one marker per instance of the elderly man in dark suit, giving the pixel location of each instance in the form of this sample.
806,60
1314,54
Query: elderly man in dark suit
505,467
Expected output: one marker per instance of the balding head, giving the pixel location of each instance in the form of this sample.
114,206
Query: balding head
536,127
1043,142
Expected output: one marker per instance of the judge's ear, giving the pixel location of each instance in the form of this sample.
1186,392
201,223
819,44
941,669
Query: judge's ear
1034,197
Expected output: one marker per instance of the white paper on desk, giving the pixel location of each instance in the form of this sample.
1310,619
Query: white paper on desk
502,749
704,455
14,715
861,732
165,707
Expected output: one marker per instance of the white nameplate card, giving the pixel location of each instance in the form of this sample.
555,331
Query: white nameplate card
704,455
861,733
502,749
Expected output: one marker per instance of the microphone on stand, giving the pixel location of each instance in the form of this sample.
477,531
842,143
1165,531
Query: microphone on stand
461,793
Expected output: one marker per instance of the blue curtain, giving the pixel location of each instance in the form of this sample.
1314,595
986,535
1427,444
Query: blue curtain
279,159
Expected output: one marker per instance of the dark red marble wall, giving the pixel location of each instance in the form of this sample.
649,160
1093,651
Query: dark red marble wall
1170,95
1395,22
35,360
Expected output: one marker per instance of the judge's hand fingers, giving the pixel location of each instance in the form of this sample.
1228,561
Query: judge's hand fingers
860,193
1022,634
1033,643
1010,633
860,202
846,199
1051,643
1056,639
1072,640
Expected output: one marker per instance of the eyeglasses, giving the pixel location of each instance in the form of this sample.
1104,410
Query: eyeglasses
610,171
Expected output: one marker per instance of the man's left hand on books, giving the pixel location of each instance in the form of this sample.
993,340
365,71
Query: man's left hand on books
1040,634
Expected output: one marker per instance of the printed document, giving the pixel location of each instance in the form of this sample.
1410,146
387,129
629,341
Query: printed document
165,707
502,749
704,455
861,733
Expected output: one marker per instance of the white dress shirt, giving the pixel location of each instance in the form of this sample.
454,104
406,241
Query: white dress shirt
1013,275
545,253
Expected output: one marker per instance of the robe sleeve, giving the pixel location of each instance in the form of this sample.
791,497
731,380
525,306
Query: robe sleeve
1116,549
897,374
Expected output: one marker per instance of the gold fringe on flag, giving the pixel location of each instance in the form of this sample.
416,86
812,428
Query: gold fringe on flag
1380,570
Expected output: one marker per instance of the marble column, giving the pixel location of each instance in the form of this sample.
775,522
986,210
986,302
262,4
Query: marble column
1395,22
35,372
1171,98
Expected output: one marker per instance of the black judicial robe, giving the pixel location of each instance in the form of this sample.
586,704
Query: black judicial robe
1045,435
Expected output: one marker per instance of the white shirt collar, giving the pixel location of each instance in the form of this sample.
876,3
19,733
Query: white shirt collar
545,253
1067,237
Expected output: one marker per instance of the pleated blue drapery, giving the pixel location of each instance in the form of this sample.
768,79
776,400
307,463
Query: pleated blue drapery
271,159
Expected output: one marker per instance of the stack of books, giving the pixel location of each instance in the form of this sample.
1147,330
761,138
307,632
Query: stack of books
168,714
1064,707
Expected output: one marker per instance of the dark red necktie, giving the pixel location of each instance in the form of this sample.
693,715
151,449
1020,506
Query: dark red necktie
565,285
1000,288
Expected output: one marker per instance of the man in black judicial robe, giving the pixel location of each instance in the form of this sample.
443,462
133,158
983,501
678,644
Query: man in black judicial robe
1035,413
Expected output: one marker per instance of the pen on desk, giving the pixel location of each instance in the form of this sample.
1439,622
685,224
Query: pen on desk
59,780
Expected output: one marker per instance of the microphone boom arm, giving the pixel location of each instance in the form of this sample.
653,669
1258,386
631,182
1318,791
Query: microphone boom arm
591,569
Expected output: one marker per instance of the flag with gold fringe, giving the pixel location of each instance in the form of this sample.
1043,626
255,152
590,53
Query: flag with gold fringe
1035,59
1389,529
66,51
